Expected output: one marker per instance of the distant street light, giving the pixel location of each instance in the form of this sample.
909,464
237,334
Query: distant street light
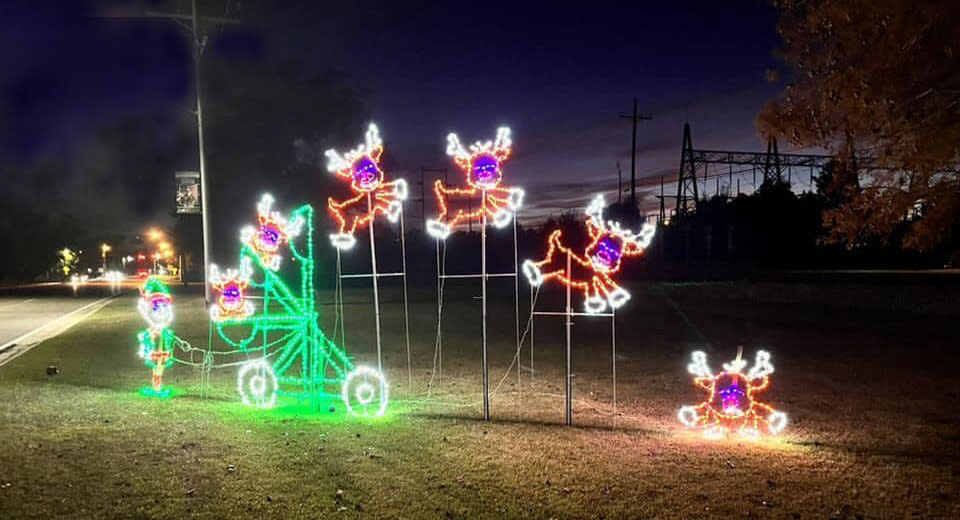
104,249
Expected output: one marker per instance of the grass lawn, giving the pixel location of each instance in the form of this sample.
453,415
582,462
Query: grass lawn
870,390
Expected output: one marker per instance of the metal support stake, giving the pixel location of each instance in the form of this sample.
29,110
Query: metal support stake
406,311
532,320
376,295
569,381
338,306
613,344
439,317
516,295
483,299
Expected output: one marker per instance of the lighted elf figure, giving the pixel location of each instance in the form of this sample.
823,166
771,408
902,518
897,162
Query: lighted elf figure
273,231
731,404
592,271
156,342
231,302
372,194
484,191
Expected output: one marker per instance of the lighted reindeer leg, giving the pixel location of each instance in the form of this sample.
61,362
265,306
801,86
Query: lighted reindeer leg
344,239
759,380
550,267
440,227
504,203
390,198
702,413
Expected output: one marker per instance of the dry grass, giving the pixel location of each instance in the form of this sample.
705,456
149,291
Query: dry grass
871,397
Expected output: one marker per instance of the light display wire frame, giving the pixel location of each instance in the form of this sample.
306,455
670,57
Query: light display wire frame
375,275
483,275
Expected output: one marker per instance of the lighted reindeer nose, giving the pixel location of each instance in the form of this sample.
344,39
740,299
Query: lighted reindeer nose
231,296
485,170
365,172
732,398
270,237
608,252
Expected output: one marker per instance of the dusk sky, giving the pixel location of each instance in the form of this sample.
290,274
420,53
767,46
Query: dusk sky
557,73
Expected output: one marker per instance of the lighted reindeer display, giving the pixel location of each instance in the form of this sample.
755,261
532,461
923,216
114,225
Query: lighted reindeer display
484,192
592,271
731,404
231,285
372,195
272,233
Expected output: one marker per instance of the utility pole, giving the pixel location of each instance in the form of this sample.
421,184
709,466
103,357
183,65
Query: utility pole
194,21
662,217
619,185
633,151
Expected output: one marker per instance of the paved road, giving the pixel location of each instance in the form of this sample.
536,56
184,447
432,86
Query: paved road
27,318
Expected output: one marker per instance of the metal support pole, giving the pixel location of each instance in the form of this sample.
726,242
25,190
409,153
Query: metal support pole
568,415
532,320
613,345
516,295
406,312
376,295
204,215
338,306
483,299
439,318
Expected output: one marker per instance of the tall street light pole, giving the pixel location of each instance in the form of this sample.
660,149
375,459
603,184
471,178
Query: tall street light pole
194,21
205,220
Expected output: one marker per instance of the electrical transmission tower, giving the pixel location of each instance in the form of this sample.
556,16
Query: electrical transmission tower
695,170
687,182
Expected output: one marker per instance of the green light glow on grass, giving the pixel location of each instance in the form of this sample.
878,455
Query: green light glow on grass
164,393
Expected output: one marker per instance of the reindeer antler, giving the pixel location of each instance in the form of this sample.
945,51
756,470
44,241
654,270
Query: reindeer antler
372,138
503,144
595,211
761,366
455,149
243,274
640,240
266,202
371,145
698,365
